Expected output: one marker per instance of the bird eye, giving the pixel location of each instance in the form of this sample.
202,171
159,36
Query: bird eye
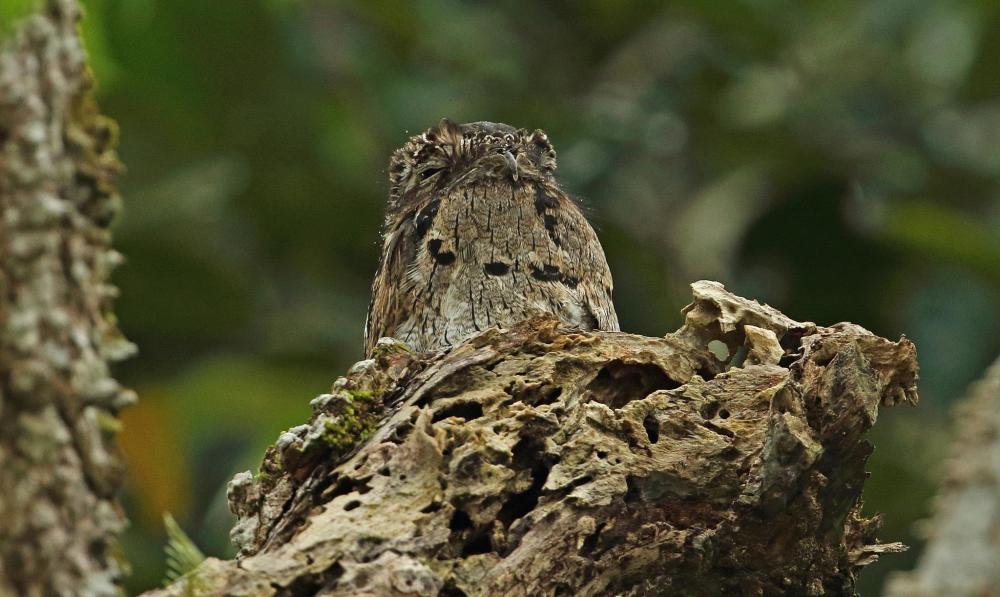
428,172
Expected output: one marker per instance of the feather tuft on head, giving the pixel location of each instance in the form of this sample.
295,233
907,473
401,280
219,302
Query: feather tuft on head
476,151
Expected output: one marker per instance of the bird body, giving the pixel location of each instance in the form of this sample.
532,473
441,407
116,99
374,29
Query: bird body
479,234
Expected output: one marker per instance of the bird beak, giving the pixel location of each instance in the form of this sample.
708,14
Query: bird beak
511,163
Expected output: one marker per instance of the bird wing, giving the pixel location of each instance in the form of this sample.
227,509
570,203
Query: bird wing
581,257
388,308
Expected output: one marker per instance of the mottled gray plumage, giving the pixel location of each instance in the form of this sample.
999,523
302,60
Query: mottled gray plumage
479,234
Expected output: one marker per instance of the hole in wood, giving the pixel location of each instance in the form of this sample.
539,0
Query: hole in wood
719,349
479,543
590,543
652,427
462,410
632,493
460,521
537,395
618,383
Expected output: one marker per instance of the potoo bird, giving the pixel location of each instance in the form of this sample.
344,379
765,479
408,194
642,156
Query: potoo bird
477,234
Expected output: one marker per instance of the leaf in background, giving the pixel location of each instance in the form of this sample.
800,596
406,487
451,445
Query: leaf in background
153,448
183,555
245,396
11,11
197,194
95,39
937,231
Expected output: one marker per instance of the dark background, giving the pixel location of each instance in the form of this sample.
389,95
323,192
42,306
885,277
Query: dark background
838,160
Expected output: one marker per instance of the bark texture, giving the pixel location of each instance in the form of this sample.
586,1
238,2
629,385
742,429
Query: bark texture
962,555
59,471
543,460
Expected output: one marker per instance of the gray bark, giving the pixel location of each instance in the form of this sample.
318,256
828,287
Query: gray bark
962,555
59,471
542,460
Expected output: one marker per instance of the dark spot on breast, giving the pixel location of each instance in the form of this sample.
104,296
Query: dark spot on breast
550,229
425,217
547,273
543,200
496,268
442,257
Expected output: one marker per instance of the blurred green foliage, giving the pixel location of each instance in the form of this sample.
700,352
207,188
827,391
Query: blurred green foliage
12,10
835,159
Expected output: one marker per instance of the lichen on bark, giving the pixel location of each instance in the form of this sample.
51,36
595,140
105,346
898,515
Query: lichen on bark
542,460
60,473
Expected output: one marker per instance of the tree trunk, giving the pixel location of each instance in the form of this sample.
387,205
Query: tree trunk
59,517
962,555
542,460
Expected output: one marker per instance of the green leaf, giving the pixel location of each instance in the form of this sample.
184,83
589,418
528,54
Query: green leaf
944,233
13,10
183,555
95,31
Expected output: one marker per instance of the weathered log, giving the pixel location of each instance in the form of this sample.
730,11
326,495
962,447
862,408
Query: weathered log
542,460
59,468
962,555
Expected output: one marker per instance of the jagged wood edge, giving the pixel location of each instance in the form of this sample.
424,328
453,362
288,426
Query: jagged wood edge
436,502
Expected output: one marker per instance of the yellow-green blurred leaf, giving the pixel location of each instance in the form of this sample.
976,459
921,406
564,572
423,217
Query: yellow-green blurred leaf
12,10
183,555
153,448
938,231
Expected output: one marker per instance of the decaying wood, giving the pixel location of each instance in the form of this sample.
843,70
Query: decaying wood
542,460
59,470
962,555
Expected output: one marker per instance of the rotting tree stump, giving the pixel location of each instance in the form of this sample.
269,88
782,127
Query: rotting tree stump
542,460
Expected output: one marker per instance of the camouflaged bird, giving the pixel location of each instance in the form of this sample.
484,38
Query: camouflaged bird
479,234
